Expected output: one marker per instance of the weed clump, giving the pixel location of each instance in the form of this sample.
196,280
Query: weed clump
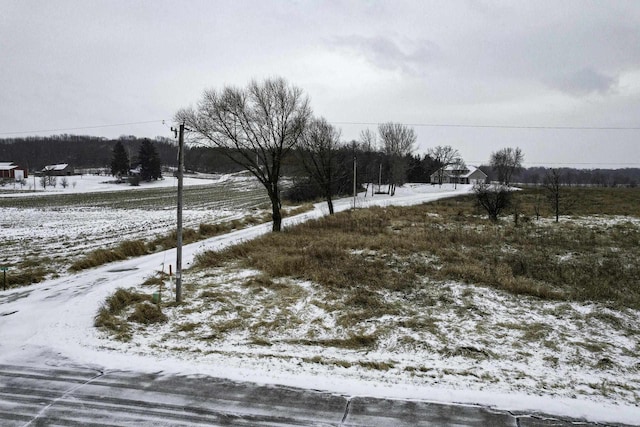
124,250
123,298
27,276
110,315
147,314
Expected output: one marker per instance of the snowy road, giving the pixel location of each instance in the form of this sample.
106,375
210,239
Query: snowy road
53,371
79,396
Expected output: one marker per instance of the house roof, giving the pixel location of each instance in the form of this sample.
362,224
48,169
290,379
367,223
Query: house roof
7,166
468,171
58,167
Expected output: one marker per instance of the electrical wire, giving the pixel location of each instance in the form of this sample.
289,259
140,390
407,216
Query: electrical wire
449,125
496,126
83,127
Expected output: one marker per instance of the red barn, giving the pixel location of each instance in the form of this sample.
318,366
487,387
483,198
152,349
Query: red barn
12,171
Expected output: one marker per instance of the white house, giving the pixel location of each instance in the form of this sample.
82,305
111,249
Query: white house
60,169
461,175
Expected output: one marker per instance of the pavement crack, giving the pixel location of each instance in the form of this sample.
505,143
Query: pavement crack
64,396
346,411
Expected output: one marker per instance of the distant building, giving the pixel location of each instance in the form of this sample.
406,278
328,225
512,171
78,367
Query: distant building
12,171
464,175
61,169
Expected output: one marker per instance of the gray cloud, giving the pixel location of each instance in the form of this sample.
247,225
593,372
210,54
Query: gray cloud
385,53
584,82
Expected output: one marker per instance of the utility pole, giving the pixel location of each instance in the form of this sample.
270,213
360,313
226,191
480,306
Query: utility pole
179,218
355,194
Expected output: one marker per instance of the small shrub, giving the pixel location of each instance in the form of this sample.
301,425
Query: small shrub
124,250
117,326
108,316
207,230
124,298
147,313
132,248
27,276
134,180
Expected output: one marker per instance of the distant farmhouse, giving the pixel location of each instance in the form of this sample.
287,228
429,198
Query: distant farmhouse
61,169
464,175
12,171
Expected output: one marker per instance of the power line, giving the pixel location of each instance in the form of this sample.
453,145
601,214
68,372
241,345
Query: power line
453,125
448,125
537,163
83,127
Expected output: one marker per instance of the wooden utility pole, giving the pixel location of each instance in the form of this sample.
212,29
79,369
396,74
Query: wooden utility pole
355,194
179,218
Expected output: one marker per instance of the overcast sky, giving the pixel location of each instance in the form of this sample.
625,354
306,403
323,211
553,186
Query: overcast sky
476,75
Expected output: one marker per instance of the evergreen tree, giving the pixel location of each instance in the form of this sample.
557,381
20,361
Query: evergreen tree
119,161
150,167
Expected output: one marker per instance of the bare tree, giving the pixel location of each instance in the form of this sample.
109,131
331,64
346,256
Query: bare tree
397,142
458,168
506,163
372,165
258,126
558,198
493,198
443,156
368,140
48,180
320,143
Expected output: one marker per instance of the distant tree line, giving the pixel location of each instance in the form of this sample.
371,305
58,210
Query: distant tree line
35,152
83,151
627,177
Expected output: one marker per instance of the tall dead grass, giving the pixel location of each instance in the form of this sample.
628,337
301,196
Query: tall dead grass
393,249
133,248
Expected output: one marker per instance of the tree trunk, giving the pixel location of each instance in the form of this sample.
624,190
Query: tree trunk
330,204
276,215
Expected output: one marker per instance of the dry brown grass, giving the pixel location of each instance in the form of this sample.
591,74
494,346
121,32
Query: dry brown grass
356,255
110,316
133,248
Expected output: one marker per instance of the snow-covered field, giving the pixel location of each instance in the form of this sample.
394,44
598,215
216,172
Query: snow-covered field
77,184
60,225
493,355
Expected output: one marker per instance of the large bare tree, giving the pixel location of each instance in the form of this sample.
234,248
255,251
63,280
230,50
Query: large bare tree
444,156
257,125
397,142
506,163
320,144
